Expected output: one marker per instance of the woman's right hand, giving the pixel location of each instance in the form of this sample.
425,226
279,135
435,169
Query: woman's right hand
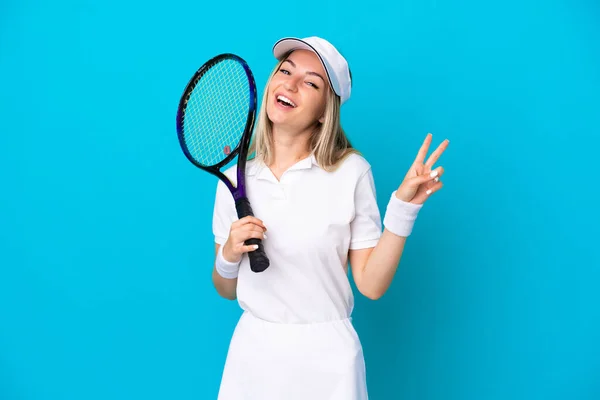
242,230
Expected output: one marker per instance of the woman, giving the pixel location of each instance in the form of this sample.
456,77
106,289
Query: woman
314,200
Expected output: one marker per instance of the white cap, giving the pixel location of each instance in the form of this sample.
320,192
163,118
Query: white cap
335,64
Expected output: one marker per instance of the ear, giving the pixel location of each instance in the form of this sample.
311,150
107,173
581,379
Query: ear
322,119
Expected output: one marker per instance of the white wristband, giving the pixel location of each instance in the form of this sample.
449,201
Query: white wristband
400,216
227,269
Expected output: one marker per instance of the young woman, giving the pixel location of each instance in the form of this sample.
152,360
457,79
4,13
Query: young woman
314,200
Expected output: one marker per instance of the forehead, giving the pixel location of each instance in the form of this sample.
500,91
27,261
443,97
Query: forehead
306,60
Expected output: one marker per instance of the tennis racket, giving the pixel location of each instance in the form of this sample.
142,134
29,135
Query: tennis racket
215,120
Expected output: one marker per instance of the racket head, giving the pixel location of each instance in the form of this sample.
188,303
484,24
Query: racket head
216,113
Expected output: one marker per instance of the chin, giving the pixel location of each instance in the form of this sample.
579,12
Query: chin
276,117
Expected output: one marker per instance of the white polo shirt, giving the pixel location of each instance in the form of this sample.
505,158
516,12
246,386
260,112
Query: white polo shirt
313,217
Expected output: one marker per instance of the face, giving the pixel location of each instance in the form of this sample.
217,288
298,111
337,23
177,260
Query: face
297,92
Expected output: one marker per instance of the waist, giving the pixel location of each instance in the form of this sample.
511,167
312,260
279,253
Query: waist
284,335
295,322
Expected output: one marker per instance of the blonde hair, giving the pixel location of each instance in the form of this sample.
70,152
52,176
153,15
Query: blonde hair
328,143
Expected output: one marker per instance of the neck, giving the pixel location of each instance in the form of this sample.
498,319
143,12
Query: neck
289,148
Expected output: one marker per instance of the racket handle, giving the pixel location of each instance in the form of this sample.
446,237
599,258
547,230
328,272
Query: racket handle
258,259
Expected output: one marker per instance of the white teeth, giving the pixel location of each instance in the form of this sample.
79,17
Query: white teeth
286,100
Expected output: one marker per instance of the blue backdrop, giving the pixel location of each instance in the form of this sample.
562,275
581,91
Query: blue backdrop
105,228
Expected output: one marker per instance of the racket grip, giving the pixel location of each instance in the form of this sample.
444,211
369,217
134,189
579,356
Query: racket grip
258,259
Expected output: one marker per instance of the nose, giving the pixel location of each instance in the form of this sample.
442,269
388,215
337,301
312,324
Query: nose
291,84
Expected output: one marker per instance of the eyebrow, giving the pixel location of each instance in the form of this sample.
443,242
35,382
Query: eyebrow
308,72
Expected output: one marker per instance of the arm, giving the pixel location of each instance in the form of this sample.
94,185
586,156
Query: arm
374,268
228,258
226,288
230,231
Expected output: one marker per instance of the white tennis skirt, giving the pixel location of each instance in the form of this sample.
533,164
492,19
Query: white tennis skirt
275,361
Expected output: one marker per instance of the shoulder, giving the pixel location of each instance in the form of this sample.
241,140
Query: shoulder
230,172
354,165
221,189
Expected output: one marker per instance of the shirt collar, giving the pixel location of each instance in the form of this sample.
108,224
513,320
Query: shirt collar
257,167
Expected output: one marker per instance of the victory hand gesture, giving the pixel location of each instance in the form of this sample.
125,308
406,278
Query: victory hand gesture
421,180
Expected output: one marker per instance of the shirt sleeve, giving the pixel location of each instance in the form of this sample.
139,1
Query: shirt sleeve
366,226
224,213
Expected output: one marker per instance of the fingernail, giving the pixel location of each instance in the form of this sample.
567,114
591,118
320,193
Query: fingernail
428,192
437,179
264,235
255,246
433,174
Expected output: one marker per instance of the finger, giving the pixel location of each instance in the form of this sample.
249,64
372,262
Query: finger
436,173
434,188
422,195
432,183
252,227
423,150
432,176
253,220
249,220
249,248
434,157
250,233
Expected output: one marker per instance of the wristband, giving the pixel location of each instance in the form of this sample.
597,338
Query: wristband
400,216
227,269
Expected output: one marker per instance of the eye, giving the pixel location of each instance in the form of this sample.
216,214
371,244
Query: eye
284,71
312,84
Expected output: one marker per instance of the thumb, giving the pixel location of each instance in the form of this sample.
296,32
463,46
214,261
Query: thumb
421,179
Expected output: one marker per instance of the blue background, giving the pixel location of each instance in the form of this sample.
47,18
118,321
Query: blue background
105,228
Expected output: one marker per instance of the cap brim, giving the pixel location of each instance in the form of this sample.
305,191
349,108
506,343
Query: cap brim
285,45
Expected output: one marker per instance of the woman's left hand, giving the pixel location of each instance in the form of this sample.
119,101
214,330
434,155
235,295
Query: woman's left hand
421,180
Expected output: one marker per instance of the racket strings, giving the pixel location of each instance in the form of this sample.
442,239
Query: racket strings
216,113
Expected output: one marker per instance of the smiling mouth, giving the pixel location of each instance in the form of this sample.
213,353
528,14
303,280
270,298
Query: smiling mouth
285,101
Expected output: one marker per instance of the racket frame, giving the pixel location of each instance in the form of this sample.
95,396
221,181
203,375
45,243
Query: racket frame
241,150
258,259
